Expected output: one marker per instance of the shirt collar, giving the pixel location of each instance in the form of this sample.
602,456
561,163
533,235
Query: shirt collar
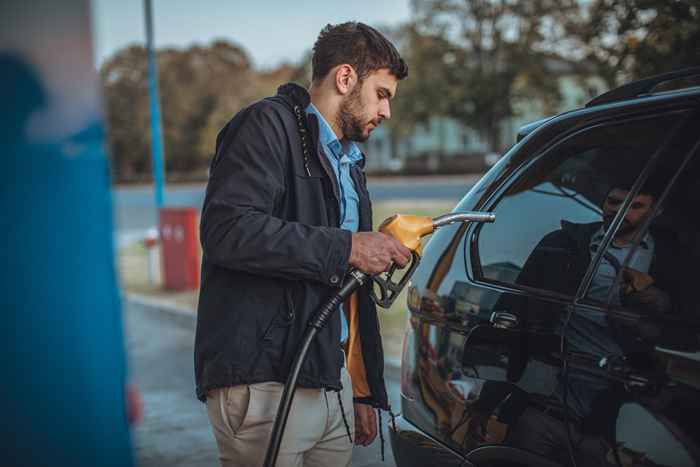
597,239
330,140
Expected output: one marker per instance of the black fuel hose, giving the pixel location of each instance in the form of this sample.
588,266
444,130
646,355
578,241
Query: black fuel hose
353,281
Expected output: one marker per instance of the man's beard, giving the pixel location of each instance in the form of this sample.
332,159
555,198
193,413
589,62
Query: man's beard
350,118
624,229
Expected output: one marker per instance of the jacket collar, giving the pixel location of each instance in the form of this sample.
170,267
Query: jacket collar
580,233
298,95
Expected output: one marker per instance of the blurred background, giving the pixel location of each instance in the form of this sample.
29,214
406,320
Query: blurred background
478,71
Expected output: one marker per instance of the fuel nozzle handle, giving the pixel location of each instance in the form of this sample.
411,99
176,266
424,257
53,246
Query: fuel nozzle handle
409,230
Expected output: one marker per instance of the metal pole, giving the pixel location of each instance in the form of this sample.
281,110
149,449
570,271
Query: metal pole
156,136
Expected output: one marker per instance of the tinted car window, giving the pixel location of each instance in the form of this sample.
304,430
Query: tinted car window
649,263
642,330
554,202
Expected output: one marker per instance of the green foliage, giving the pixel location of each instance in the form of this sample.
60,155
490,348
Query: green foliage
473,59
636,38
426,92
201,88
125,92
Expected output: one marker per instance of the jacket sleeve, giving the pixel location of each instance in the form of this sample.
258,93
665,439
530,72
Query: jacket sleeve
247,183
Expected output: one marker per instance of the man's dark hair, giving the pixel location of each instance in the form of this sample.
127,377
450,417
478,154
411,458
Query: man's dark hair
624,180
356,44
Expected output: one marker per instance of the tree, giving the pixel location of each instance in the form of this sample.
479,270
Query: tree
425,93
636,38
201,88
125,92
496,49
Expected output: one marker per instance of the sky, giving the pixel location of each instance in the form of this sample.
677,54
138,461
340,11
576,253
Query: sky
271,32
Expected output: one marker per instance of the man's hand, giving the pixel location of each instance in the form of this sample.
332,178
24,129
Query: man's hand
365,424
373,252
635,281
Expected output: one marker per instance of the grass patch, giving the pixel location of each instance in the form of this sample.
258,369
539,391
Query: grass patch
133,275
133,272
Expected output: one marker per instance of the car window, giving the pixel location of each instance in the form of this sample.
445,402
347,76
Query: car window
648,266
639,320
544,216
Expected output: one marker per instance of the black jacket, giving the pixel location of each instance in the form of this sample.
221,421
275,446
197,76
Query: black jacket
273,253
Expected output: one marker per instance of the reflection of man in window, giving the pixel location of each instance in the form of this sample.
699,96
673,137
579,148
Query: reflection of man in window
558,263
561,259
637,287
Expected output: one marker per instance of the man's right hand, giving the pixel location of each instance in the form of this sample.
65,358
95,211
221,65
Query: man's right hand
373,252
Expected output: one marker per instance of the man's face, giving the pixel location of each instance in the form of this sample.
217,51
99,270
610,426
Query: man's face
636,215
364,108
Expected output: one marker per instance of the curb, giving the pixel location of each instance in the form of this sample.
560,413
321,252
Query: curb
188,317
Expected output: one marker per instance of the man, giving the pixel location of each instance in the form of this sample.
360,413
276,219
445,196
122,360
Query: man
286,215
648,285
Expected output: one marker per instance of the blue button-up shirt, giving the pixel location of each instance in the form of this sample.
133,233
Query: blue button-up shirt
609,267
341,156
588,331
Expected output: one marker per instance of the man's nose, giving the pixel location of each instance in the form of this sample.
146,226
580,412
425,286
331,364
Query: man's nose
385,110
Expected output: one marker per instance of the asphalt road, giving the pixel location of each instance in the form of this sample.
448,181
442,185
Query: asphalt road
175,431
135,212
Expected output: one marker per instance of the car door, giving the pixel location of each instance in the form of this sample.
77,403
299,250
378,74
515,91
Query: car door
489,302
633,335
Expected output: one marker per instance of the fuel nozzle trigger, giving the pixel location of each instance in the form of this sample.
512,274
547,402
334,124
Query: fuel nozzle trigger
409,230
387,287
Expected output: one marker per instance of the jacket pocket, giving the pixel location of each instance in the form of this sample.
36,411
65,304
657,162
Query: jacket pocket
285,314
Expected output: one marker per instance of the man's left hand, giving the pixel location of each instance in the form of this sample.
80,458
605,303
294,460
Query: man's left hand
365,424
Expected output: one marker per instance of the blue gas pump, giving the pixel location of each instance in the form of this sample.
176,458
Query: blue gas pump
64,378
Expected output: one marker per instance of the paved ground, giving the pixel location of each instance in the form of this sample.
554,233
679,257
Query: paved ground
175,431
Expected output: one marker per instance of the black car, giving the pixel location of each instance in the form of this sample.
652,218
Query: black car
568,331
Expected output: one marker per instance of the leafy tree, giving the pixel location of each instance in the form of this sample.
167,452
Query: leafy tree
201,88
495,53
125,91
635,38
426,91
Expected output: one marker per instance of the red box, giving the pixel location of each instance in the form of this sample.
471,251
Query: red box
179,250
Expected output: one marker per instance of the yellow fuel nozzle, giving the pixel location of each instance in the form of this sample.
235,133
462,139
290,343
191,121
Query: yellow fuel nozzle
408,229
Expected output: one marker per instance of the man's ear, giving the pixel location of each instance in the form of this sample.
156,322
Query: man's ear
345,79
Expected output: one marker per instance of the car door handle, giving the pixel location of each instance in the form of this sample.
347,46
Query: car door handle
504,320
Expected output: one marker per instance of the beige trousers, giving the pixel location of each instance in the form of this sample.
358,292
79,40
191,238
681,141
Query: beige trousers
242,419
